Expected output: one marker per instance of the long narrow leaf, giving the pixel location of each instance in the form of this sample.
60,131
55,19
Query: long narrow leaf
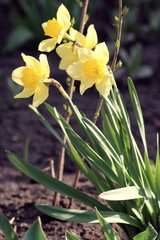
122,194
47,125
35,231
109,232
72,236
97,180
83,216
7,228
91,156
150,234
52,183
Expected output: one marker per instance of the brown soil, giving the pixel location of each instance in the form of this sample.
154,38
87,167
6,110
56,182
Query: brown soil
18,194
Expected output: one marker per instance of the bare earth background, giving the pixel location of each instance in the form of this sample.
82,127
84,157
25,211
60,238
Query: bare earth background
18,194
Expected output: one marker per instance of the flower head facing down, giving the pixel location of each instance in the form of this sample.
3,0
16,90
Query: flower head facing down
68,51
32,77
55,29
92,69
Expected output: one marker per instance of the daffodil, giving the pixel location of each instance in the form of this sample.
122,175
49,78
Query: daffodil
92,69
68,51
55,29
32,78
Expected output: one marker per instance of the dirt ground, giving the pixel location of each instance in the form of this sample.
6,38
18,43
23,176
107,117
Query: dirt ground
18,194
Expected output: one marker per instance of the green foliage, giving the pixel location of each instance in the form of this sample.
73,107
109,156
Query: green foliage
34,232
7,228
112,159
72,236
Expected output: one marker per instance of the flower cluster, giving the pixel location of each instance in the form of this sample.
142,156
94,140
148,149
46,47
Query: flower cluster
81,56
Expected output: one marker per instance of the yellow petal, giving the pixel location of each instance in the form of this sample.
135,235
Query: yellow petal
40,95
17,75
102,53
79,37
104,85
91,37
85,84
31,62
85,54
63,17
27,92
45,70
75,71
68,55
47,45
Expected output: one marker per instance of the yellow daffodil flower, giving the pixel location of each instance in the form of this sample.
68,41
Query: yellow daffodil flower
92,69
68,51
32,77
56,29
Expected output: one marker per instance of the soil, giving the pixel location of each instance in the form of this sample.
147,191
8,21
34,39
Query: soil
18,194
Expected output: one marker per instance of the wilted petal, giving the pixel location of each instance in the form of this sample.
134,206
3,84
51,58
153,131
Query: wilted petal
17,74
27,92
91,37
75,71
104,85
47,45
101,52
40,95
63,16
85,84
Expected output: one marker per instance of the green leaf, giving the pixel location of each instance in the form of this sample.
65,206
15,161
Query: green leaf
122,194
137,111
18,37
7,228
98,181
149,234
82,216
35,231
158,169
52,183
91,156
72,236
47,125
109,232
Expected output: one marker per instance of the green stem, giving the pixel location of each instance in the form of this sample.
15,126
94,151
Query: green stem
114,61
68,112
113,68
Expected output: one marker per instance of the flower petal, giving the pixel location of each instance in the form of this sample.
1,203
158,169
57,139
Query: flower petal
17,75
31,62
67,54
85,54
104,85
75,71
63,17
91,37
27,92
40,95
47,45
101,52
45,70
79,37
85,84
